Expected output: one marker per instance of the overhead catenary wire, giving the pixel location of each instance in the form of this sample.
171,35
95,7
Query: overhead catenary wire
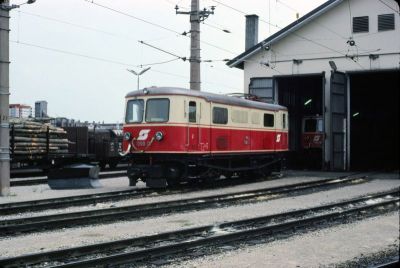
279,27
177,57
89,56
156,25
162,50
293,33
113,61
67,23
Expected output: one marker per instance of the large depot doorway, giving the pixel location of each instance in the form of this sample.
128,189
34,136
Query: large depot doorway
303,96
374,120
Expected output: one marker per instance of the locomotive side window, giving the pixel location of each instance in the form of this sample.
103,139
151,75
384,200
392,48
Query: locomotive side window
284,121
268,120
134,111
157,110
192,112
220,115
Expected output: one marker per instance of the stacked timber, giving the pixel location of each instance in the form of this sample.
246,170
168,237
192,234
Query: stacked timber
36,139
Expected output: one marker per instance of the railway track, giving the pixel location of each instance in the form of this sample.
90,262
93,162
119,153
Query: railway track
43,180
208,239
74,219
92,199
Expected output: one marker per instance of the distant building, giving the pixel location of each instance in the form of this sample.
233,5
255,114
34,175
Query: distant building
41,109
109,125
20,111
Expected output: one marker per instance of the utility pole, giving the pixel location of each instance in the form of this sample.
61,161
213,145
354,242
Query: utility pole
4,98
5,8
196,16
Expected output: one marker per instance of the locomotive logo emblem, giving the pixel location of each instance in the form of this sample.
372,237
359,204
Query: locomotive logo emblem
143,134
278,138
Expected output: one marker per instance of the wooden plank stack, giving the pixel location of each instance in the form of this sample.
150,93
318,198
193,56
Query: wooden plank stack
36,139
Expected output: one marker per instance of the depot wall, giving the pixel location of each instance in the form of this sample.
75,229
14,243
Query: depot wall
325,38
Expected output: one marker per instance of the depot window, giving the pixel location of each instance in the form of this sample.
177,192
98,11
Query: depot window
220,115
134,111
268,120
157,110
361,24
385,22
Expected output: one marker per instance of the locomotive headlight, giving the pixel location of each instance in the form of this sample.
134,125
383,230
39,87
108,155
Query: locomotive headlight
159,136
127,136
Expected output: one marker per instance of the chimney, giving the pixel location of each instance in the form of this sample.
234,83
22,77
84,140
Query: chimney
251,31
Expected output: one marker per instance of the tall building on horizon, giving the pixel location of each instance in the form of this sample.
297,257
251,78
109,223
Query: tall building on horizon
41,109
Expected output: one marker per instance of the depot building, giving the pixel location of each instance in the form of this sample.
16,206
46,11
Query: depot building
340,63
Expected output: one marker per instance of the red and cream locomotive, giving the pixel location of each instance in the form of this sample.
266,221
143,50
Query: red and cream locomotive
174,135
313,132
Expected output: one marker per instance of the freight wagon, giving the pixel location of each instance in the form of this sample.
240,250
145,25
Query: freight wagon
35,145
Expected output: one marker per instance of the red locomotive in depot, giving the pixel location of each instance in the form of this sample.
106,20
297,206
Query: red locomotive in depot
313,133
174,135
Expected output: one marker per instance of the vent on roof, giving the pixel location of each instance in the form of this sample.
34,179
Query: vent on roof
360,24
385,22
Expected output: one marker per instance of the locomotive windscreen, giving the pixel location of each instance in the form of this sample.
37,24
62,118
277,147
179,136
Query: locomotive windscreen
157,110
313,125
134,111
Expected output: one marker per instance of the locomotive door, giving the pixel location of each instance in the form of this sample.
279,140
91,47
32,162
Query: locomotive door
338,120
193,125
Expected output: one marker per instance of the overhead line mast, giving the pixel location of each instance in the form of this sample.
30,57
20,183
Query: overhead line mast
196,16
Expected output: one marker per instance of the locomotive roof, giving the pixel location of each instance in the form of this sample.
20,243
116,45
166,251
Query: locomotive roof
223,99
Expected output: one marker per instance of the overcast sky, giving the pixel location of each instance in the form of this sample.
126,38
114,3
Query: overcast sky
74,53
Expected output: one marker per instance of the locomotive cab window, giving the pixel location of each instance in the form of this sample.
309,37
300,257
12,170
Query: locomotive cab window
192,112
268,120
220,115
134,111
313,125
157,110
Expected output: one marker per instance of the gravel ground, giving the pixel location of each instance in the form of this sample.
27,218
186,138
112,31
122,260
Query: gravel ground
43,191
161,198
120,230
323,248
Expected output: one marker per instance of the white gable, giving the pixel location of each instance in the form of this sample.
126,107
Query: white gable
325,38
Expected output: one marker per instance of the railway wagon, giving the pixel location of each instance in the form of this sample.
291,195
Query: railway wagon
312,141
95,145
312,132
173,135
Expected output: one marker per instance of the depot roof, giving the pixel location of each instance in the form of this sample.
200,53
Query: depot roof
238,61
